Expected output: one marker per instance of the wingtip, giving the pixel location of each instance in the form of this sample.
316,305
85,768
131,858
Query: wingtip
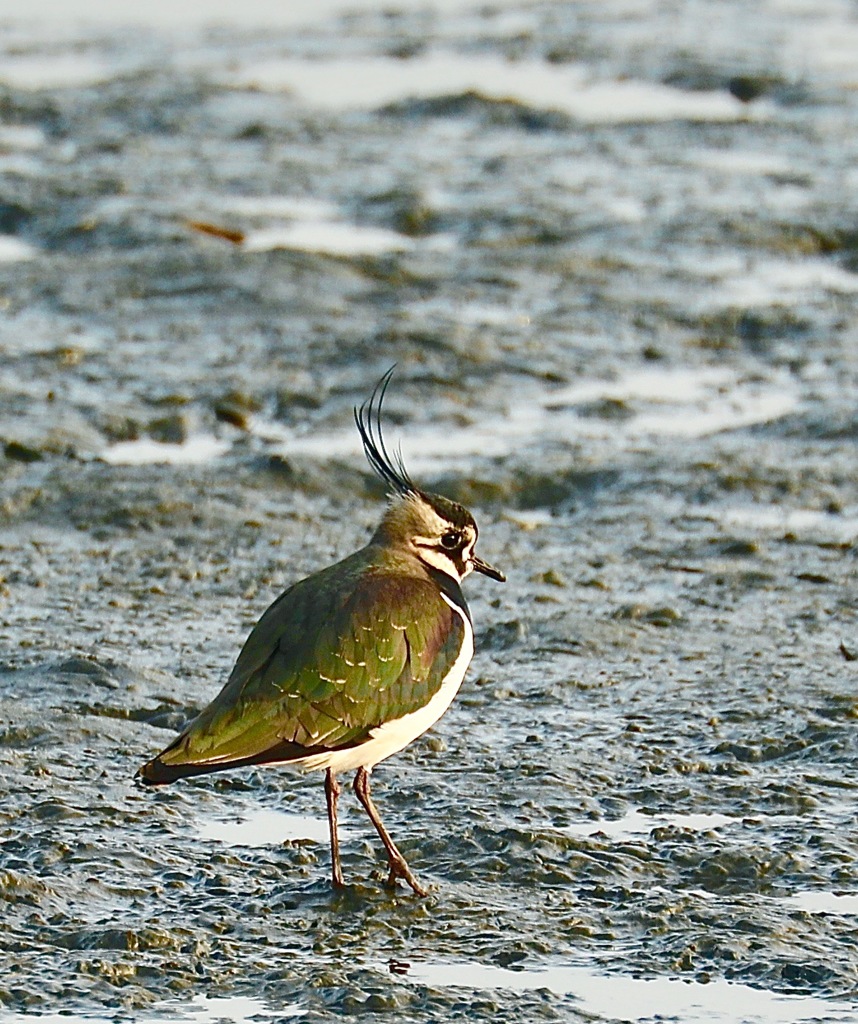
155,773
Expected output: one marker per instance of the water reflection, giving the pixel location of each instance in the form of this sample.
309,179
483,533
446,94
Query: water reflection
199,1010
613,997
266,828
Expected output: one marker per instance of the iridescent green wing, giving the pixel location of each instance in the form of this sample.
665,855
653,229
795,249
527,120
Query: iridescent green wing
331,659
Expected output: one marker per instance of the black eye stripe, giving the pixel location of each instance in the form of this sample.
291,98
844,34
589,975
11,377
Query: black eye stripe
437,546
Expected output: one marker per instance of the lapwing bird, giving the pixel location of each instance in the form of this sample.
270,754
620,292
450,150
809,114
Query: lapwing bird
351,664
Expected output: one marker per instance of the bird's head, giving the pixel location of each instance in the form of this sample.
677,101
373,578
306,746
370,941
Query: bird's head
440,533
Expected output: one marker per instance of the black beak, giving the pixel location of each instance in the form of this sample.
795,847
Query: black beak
487,570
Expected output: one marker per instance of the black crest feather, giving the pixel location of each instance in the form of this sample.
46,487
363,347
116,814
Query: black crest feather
390,468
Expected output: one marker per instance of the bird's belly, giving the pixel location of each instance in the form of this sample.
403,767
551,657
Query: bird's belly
388,738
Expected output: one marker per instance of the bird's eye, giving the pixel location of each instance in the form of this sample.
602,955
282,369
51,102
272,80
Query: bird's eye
451,539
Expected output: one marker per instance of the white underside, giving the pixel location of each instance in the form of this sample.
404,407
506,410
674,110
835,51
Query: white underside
392,736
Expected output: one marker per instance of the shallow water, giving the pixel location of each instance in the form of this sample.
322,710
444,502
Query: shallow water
659,999
614,257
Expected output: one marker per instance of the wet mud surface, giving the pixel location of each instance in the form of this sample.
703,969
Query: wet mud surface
626,328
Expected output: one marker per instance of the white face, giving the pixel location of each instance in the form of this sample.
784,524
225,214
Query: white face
446,547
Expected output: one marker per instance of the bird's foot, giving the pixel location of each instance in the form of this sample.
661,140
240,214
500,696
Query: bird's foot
399,869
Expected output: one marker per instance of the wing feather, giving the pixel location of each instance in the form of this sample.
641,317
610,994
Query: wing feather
326,664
